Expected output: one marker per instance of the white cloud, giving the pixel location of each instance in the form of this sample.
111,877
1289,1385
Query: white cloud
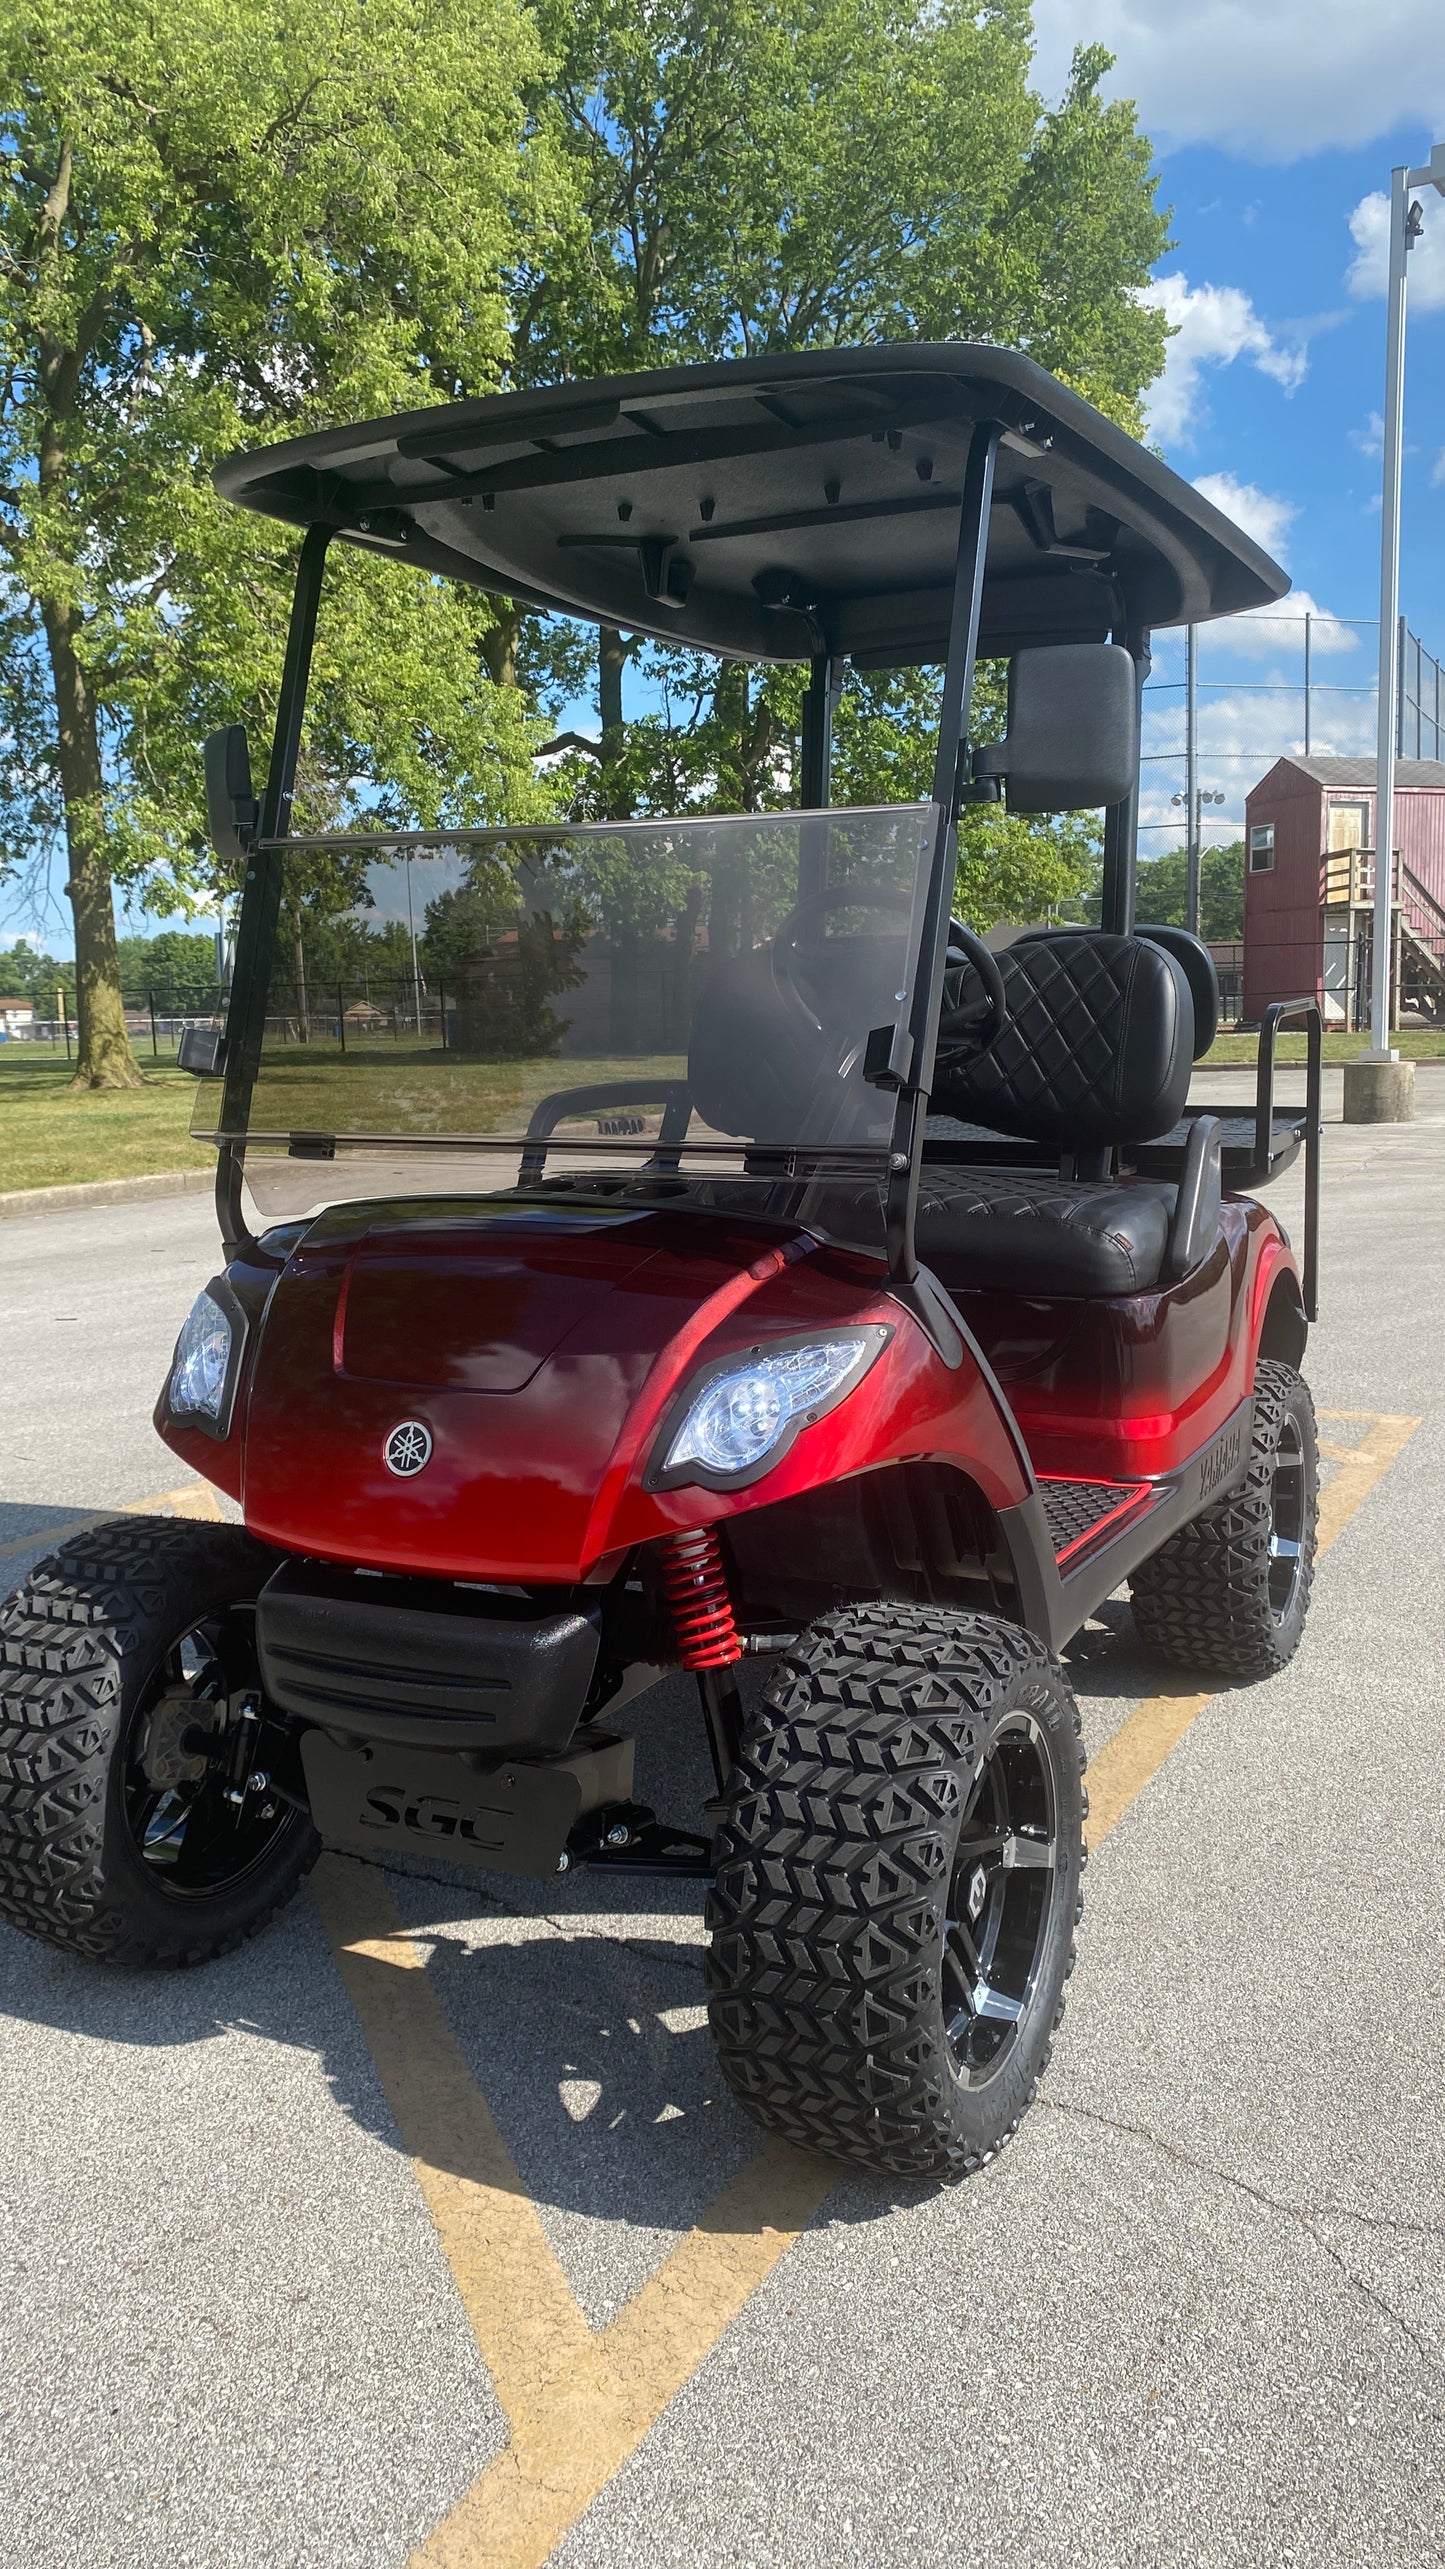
1437,472
1263,631
1369,269
1267,630
1269,83
1212,325
1371,438
1261,513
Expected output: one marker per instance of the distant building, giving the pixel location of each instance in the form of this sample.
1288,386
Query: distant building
1309,887
17,1018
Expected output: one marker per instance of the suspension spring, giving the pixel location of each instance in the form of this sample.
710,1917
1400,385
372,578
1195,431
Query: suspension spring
697,1592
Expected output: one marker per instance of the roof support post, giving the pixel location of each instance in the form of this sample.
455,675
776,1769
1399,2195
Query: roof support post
955,708
261,892
1121,820
820,704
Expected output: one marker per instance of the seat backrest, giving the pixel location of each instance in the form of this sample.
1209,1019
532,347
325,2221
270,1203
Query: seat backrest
1097,1049
1198,966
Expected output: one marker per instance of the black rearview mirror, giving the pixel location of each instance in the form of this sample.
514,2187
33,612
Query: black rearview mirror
231,808
201,1051
1073,729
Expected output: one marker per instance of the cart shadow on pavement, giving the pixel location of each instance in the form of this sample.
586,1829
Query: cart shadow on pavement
577,2006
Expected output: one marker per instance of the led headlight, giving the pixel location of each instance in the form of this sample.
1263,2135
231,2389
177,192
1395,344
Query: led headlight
202,1361
745,1413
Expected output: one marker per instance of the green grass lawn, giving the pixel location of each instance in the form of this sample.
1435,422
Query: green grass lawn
53,1135
1415,1044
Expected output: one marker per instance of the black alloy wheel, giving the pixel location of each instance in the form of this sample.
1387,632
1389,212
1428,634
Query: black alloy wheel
140,1820
999,1896
201,1802
898,1860
1290,1526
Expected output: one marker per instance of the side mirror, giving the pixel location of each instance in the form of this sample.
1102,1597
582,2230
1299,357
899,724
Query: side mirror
231,807
1073,729
201,1051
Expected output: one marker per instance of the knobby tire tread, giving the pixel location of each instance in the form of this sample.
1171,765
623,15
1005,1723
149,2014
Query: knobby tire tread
833,1861
1201,1601
105,1602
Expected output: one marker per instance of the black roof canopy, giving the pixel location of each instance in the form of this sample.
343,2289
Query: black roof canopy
780,506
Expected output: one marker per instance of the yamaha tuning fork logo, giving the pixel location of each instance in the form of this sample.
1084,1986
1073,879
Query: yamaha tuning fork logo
407,1448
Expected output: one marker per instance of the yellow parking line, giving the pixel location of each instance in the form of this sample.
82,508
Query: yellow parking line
197,1498
579,2401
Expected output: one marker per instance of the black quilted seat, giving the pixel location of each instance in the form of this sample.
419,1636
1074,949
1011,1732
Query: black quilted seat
1015,1231
1097,1049
1019,1230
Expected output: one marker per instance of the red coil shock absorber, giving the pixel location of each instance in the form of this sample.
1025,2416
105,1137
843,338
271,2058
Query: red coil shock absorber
697,1592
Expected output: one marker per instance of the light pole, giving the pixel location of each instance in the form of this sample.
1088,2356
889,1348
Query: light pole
1405,227
1194,802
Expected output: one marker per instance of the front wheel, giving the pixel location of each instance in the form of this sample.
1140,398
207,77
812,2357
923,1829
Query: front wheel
897,1887
139,1816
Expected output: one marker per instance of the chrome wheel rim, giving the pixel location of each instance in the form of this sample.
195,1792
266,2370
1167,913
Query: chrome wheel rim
1287,1498
1000,1901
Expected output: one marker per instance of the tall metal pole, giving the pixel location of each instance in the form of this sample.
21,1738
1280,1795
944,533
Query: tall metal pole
1389,611
1191,777
1308,622
1404,227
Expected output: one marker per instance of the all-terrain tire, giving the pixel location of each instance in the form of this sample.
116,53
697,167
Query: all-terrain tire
84,1642
845,1843
1216,1597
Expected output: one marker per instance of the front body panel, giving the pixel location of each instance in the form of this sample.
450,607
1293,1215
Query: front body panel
596,1321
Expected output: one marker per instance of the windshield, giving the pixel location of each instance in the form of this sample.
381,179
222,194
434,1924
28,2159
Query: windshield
689,995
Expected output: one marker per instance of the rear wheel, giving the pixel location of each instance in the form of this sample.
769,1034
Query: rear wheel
897,1887
139,1817
1228,1594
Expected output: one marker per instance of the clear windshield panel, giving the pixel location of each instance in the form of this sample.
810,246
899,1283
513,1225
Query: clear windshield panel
689,995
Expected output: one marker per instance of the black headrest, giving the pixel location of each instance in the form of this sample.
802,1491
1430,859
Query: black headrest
1197,963
1098,1046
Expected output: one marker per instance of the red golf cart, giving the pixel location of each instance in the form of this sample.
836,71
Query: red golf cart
713,1249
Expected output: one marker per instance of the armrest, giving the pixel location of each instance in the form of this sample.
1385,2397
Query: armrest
1195,1226
672,1095
1308,1011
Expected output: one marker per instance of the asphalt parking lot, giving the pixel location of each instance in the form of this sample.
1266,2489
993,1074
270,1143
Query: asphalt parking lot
421,2229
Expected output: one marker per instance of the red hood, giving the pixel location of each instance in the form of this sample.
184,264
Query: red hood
524,1341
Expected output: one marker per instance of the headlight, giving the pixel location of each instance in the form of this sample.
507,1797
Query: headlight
747,1411
202,1361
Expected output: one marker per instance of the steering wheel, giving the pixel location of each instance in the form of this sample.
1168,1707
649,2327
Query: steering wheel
838,896
974,1025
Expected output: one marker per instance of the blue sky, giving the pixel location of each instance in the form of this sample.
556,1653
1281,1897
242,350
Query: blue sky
1276,125
1275,128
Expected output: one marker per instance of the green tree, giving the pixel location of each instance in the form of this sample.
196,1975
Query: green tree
27,972
220,224
762,175
178,970
1163,891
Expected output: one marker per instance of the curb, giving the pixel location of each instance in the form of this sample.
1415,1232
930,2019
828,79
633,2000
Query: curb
104,1190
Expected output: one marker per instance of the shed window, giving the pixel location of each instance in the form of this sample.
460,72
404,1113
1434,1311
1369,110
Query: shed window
1261,847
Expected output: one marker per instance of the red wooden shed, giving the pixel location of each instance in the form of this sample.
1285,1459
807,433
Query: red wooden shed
1309,887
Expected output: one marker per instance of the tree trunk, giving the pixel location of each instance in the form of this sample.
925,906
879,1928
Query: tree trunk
103,1058
499,642
613,655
